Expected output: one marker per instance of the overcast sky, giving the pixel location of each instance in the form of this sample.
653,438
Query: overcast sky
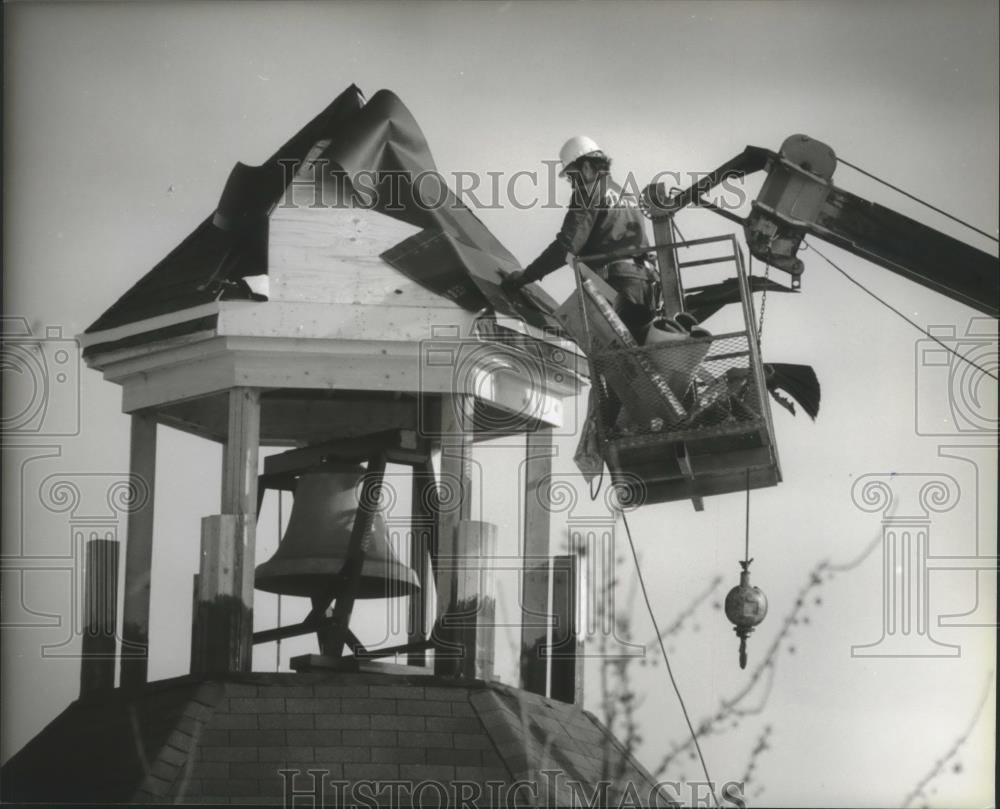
122,122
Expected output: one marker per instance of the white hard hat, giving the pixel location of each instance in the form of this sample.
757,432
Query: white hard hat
576,147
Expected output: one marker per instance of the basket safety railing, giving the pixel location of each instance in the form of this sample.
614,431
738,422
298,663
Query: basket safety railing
676,387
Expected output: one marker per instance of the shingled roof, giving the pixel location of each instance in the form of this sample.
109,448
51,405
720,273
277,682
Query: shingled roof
453,254
191,740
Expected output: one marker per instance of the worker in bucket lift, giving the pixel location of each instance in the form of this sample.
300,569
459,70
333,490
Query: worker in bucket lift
599,220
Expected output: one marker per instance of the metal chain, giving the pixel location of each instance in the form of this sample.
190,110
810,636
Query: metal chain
763,304
646,205
763,298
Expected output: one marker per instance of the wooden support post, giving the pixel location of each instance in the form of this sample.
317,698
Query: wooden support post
219,618
470,621
666,259
139,554
535,621
422,527
535,556
239,498
326,637
565,652
195,598
100,639
455,505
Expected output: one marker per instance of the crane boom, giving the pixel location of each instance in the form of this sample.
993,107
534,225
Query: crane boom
907,247
798,198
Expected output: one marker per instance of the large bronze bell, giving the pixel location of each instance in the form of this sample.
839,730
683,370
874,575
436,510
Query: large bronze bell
314,548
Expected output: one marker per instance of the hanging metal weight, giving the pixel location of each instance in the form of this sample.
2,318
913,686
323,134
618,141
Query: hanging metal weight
746,607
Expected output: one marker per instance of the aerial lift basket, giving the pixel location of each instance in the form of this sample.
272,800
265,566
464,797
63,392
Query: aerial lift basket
682,416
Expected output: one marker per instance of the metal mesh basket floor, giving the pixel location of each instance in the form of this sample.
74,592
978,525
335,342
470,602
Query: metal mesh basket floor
679,387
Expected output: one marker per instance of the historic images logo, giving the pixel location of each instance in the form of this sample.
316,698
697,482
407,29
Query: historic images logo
592,543
514,383
955,395
411,506
906,503
955,400
46,576
41,381
550,787
61,527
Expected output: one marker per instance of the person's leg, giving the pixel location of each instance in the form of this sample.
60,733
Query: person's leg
634,307
635,304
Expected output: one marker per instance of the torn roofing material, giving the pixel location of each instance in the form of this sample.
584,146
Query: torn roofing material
230,243
355,154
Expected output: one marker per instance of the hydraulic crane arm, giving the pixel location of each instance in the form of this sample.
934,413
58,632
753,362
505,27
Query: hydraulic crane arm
909,248
750,160
798,198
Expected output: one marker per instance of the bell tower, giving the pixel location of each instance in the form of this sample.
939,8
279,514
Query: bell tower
351,336
368,368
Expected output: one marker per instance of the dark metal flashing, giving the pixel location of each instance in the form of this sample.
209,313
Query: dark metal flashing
206,323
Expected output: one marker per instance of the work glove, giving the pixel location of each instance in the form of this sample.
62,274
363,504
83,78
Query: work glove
514,281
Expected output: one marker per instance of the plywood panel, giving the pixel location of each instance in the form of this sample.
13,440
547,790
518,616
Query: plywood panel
343,321
331,255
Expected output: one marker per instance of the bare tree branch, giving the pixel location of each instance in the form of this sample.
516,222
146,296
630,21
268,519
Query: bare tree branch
730,709
759,749
942,762
687,612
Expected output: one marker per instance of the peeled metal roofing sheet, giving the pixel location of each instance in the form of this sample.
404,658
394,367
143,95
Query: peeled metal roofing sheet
455,255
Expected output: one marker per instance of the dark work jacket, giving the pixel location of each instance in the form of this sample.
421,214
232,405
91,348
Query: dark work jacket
596,223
